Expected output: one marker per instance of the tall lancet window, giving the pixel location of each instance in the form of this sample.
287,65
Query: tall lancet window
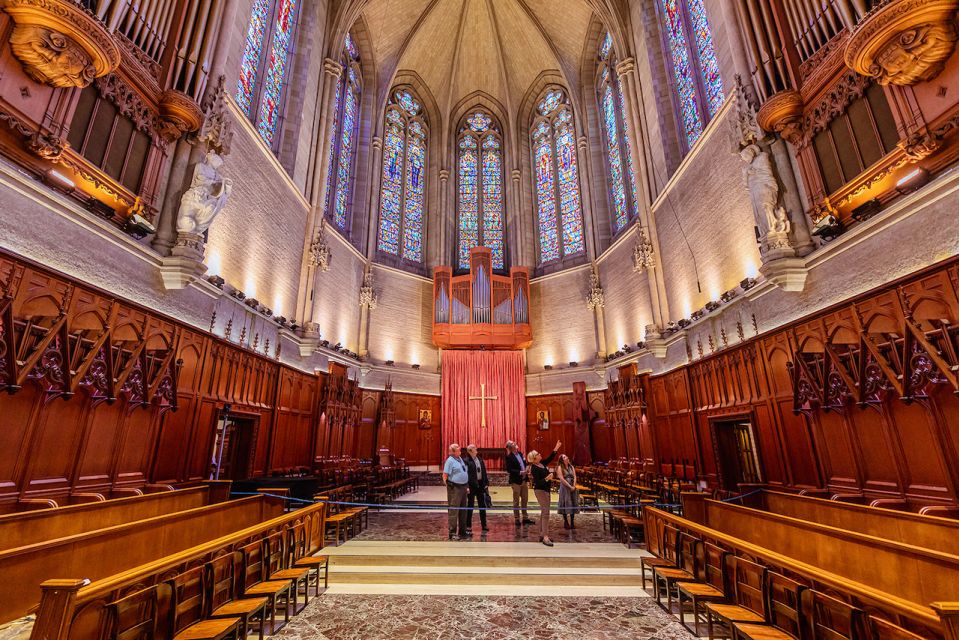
402,194
346,100
619,160
480,208
556,170
698,88
267,56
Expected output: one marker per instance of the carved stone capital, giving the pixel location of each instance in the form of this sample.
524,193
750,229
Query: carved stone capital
783,114
333,68
582,143
178,271
179,114
626,67
377,143
516,174
59,43
789,274
904,42
444,174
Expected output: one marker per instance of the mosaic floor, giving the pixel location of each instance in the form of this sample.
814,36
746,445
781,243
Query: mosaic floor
393,526
372,617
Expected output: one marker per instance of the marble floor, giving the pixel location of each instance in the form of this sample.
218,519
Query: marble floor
374,617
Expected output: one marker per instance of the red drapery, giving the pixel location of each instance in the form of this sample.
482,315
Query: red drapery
503,374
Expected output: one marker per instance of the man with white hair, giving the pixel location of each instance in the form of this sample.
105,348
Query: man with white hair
456,477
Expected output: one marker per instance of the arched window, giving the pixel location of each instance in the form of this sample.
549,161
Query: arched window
266,61
698,87
402,194
339,186
619,159
480,209
556,170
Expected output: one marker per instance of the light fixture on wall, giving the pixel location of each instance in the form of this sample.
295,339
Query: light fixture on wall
415,366
548,367
216,281
573,364
913,180
747,283
389,363
728,296
712,305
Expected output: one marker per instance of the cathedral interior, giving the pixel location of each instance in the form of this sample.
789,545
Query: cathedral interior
709,241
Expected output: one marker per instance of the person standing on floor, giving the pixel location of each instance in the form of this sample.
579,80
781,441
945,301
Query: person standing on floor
518,481
568,502
456,477
479,488
542,477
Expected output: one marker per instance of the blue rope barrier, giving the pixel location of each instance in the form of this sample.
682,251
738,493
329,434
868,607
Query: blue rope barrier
425,507
742,495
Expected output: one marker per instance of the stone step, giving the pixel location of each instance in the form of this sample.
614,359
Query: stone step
491,576
444,559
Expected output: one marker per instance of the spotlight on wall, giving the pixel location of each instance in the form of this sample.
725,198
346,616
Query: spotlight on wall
139,227
59,181
696,315
685,322
627,348
548,367
747,283
415,366
867,209
253,303
640,345
712,305
728,296
573,364
216,281
913,180
239,295
389,363
280,320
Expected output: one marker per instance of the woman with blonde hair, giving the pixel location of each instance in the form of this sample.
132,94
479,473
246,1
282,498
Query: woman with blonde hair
541,477
568,502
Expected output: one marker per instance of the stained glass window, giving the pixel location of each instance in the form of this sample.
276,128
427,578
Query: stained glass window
556,171
403,188
697,85
343,133
480,204
265,64
624,200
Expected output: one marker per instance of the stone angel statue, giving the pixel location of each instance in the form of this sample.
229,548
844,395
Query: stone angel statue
205,198
764,192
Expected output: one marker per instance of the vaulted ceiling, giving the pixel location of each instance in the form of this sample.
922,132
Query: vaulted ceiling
459,47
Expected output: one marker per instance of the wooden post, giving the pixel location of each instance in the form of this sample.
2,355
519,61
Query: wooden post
694,506
219,490
57,603
949,616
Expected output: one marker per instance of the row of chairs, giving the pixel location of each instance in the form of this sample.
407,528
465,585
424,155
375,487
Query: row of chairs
228,596
742,599
344,521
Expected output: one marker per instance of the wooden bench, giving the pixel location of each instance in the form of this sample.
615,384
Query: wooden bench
31,527
77,609
103,552
860,568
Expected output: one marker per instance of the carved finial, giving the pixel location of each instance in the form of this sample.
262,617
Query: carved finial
595,297
212,321
699,347
642,251
367,293
217,129
320,253
740,331
228,331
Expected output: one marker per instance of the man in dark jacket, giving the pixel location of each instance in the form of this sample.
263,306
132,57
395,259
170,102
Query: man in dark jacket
479,488
518,481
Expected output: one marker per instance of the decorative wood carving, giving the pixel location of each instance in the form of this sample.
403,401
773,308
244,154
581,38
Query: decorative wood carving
904,42
783,114
179,114
59,43
850,87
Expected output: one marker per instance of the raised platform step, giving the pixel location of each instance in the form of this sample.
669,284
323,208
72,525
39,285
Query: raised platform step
529,562
475,576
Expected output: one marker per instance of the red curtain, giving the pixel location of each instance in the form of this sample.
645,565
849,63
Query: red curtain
503,374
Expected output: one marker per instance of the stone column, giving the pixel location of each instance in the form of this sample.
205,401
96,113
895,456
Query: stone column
582,155
626,70
367,301
165,236
375,185
596,302
332,70
441,252
523,238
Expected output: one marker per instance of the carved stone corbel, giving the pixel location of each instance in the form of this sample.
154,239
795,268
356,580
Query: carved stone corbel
783,114
59,43
904,42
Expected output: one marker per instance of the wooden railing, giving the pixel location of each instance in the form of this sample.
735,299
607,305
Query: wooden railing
74,609
862,569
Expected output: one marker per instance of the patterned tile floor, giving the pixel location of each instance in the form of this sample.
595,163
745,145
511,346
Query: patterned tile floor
416,526
374,617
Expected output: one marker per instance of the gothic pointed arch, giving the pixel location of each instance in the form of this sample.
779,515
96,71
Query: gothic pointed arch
344,136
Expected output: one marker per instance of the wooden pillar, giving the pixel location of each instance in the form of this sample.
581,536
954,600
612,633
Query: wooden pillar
58,601
949,616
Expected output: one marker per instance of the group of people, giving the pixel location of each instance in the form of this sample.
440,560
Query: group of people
467,488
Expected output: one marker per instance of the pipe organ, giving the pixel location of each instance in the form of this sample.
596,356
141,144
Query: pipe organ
481,309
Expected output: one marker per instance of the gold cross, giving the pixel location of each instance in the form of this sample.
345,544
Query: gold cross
482,397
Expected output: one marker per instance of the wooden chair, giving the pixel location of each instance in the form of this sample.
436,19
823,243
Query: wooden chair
134,617
749,599
188,606
880,629
300,558
224,600
712,584
276,567
670,540
784,603
337,520
668,577
254,585
832,619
